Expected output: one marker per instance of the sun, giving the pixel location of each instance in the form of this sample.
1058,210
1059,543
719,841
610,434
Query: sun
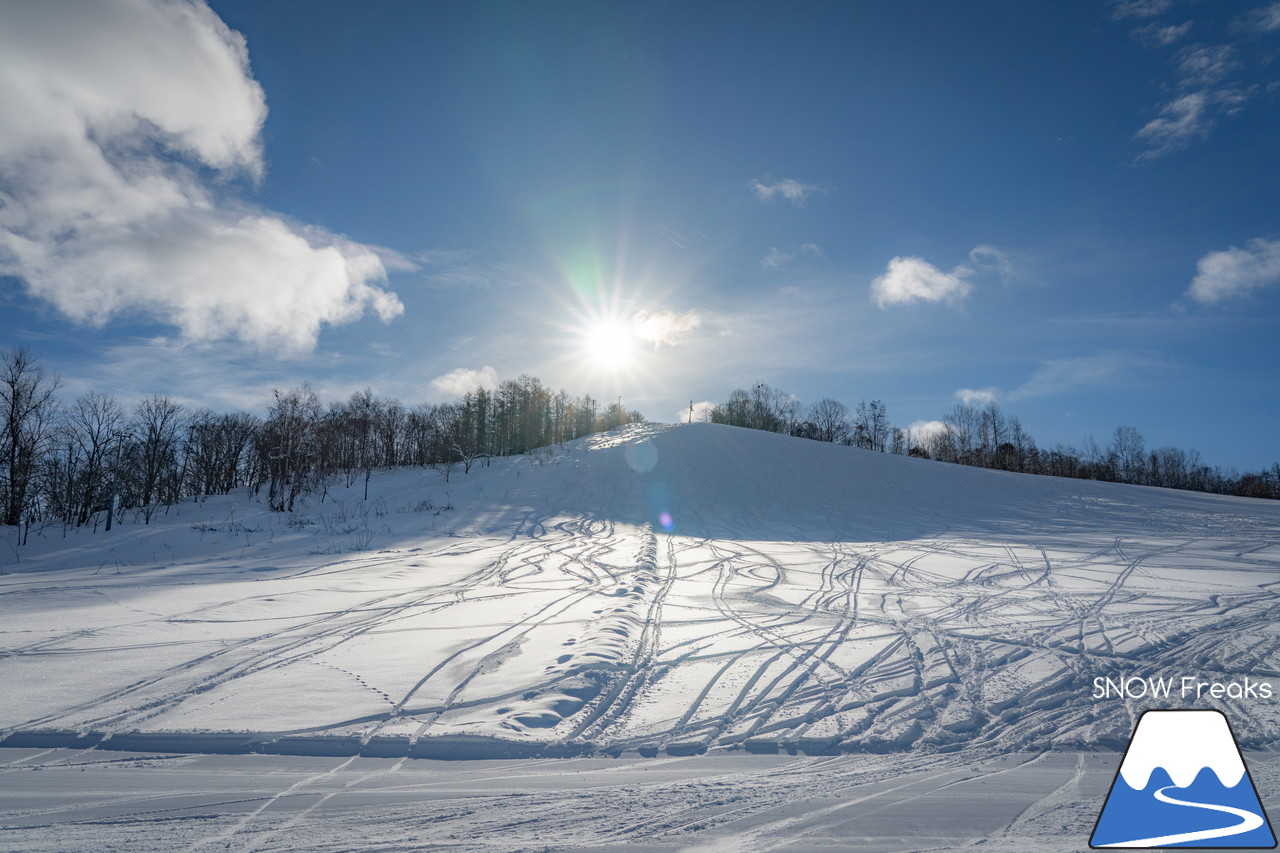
609,345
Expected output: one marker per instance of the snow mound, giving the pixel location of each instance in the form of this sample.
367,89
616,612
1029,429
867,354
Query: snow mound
658,588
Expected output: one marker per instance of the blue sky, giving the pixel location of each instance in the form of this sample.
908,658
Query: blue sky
1069,208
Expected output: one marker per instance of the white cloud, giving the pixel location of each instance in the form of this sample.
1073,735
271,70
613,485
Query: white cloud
1110,368
452,269
1232,100
924,430
681,239
219,376
1140,8
253,278
988,258
1181,122
792,190
1190,118
701,413
1158,36
1209,79
1203,66
1264,20
108,208
455,383
1236,272
977,396
775,259
665,327
908,280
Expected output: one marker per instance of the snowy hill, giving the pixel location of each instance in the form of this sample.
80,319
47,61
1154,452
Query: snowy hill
657,588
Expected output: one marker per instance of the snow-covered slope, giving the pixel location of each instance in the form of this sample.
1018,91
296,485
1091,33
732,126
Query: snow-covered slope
676,588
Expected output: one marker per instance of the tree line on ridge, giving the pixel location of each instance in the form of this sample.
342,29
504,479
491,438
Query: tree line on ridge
984,436
67,463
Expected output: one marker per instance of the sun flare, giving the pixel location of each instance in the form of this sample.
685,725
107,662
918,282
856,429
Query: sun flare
610,345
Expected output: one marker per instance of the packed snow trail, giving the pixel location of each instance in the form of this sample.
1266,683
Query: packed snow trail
87,801
660,589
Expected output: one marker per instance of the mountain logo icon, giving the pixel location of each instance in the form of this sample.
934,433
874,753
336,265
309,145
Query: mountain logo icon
1183,783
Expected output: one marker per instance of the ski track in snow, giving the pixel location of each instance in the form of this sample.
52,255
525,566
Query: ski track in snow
809,599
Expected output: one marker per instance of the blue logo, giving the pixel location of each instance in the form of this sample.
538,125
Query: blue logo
1183,783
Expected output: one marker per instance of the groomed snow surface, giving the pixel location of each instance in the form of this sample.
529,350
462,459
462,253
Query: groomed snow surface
657,591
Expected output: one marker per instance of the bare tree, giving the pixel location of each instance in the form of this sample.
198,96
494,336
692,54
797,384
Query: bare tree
1024,447
359,427
871,427
994,431
830,420
389,422
26,396
288,444
97,424
736,411
455,438
216,455
763,407
155,432
965,432
1128,450
901,442
1094,460
1167,466
423,443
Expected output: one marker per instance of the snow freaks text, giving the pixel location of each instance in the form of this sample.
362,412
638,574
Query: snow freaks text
1179,687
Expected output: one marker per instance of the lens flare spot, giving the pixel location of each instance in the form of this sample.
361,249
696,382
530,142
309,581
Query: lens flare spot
665,519
641,457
